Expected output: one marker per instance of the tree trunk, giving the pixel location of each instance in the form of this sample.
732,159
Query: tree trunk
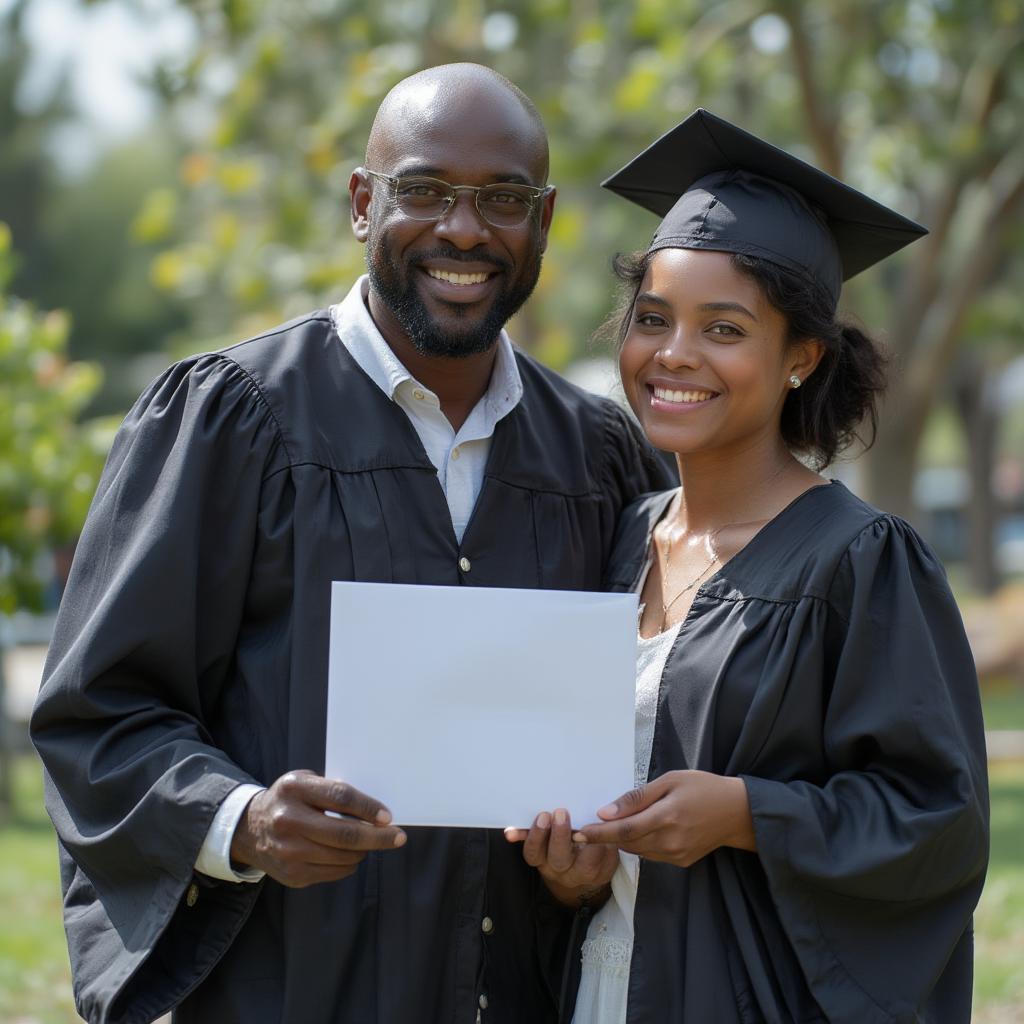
888,473
980,421
888,467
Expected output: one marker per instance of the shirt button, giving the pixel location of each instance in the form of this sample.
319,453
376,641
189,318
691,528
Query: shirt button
483,1001
464,564
487,926
192,895
418,394
455,453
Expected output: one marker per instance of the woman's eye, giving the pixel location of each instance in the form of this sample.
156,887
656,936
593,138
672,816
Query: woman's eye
727,330
650,320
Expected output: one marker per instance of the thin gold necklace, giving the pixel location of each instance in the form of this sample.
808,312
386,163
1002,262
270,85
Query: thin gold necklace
709,540
709,546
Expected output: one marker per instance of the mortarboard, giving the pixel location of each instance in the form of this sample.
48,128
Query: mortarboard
719,187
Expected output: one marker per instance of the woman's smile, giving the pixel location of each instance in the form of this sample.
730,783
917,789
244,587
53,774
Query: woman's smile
678,396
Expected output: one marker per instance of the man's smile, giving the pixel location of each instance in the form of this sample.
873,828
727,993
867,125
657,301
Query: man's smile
459,282
453,278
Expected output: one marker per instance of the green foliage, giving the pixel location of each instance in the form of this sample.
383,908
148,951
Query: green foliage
99,234
871,88
246,222
27,173
76,249
49,464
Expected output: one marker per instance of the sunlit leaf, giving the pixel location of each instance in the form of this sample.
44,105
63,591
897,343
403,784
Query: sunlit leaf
239,175
154,221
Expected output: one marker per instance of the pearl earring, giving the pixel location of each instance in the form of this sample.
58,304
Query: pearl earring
795,381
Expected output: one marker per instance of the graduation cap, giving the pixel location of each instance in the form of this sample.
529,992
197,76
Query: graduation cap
719,187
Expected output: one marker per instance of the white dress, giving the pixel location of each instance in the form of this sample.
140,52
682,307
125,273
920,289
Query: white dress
608,947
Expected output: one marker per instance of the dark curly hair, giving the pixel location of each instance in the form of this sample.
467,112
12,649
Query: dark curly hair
837,403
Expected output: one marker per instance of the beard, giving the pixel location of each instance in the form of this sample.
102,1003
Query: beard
466,333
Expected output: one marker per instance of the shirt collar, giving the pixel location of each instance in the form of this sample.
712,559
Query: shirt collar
360,335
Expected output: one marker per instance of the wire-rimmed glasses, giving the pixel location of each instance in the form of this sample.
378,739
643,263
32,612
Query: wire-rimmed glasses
502,205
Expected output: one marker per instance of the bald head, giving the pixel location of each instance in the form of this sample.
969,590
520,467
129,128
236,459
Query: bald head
463,98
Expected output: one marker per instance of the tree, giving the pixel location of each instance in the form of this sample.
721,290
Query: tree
996,336
953,82
913,101
49,463
98,267
27,173
76,248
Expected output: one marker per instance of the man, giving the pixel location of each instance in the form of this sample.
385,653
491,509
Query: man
397,437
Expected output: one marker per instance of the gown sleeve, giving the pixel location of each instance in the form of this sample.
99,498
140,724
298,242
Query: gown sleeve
631,467
142,646
876,868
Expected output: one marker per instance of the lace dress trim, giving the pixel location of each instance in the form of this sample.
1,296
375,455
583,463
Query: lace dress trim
609,955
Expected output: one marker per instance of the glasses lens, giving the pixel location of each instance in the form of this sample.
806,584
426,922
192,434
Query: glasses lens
422,198
504,206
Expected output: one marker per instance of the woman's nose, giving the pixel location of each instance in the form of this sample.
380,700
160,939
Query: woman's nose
679,350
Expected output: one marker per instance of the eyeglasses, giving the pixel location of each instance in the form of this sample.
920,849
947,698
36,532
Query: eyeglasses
503,205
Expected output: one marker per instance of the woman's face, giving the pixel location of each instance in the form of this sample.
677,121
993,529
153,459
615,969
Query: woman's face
704,363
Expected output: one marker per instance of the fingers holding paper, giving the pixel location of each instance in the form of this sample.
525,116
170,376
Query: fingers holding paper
285,831
573,873
678,818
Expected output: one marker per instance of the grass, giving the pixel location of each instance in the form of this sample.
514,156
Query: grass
35,986
999,922
35,980
1003,702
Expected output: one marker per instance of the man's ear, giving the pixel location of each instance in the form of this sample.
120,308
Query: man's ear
359,196
546,213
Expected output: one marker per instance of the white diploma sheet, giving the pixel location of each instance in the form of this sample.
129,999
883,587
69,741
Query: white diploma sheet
480,707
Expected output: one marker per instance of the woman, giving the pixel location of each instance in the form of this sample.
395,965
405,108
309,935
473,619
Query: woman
808,836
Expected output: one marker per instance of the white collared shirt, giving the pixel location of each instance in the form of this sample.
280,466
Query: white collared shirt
459,458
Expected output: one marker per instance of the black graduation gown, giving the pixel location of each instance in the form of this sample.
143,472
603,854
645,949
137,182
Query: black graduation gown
190,655
827,665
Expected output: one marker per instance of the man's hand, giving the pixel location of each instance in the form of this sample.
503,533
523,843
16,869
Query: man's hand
285,832
573,874
678,818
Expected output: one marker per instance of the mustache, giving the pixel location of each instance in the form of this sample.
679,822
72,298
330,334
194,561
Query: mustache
476,255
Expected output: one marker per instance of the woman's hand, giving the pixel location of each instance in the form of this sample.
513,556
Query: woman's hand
574,874
678,818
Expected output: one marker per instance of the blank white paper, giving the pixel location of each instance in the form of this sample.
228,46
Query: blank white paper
480,707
